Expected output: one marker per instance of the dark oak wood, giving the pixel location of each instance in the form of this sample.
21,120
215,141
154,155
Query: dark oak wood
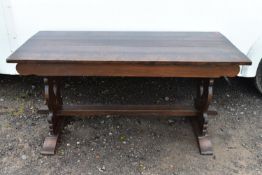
167,48
85,110
200,124
53,100
126,70
201,55
171,110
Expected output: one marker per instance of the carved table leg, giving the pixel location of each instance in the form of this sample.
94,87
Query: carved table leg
53,101
200,124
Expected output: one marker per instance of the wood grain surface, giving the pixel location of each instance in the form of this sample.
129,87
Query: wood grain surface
190,48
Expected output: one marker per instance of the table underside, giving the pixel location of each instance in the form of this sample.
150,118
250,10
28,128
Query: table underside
198,113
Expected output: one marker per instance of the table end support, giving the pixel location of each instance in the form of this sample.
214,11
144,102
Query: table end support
200,124
53,100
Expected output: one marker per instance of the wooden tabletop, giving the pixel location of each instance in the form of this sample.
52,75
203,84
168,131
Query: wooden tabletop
196,48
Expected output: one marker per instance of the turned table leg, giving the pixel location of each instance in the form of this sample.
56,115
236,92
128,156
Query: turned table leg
53,100
200,123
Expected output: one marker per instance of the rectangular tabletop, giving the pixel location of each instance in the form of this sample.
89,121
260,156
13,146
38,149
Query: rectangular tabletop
60,48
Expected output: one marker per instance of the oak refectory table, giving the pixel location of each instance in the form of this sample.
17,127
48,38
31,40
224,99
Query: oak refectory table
201,55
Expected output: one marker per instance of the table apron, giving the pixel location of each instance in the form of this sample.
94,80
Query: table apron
127,70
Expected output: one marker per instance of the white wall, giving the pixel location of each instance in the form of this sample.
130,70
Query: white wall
239,20
5,45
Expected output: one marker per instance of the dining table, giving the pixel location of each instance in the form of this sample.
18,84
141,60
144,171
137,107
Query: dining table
199,56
